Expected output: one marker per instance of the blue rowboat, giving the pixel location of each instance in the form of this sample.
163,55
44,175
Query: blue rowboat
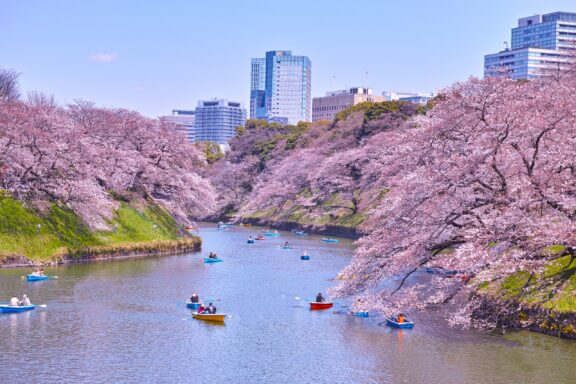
360,314
250,241
13,309
271,234
209,260
299,233
304,257
393,323
287,247
436,270
193,306
329,240
36,278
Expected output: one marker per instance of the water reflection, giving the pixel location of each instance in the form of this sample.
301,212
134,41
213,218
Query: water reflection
127,322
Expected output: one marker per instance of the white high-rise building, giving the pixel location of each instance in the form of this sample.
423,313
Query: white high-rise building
182,121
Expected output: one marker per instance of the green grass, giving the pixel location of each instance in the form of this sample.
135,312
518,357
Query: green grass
59,231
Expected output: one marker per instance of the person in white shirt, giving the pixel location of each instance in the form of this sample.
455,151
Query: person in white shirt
14,302
25,300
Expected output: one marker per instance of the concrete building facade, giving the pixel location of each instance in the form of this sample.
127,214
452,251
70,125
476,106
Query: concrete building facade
182,121
326,107
217,120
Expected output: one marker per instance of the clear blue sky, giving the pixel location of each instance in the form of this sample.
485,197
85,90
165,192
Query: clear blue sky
153,56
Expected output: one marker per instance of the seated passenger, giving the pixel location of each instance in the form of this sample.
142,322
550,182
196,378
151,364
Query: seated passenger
320,298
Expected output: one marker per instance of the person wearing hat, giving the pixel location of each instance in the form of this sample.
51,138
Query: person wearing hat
320,298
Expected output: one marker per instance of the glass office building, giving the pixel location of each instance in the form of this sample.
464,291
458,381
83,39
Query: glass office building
540,43
217,120
280,87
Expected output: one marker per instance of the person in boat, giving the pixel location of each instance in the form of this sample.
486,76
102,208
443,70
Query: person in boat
211,309
320,298
14,302
194,298
201,308
305,253
212,256
286,244
25,300
400,318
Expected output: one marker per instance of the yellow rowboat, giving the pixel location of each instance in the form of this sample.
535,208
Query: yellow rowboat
216,317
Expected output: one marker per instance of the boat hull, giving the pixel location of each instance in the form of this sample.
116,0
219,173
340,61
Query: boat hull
208,260
250,241
304,257
331,241
394,324
272,234
324,305
194,306
215,318
12,309
36,278
360,314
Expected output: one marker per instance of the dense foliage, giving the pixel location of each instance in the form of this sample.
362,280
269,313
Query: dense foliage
88,158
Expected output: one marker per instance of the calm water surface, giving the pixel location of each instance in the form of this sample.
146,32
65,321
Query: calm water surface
126,322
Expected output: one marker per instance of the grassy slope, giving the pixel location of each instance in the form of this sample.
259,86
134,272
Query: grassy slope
61,231
554,289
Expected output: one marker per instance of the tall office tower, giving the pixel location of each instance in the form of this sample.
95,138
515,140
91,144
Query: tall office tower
217,120
326,107
540,44
280,88
181,121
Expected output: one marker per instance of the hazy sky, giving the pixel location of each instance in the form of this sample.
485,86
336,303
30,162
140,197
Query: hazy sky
154,56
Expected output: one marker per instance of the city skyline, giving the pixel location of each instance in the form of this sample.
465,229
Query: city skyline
157,58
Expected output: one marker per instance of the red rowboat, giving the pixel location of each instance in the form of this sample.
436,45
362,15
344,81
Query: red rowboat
323,305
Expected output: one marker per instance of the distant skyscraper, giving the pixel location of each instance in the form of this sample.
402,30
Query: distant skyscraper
181,121
326,107
280,87
540,43
217,120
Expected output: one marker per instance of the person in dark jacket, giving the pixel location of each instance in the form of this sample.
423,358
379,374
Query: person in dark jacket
320,298
194,298
211,309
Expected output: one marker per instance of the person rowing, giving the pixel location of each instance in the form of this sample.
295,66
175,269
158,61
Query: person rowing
25,300
212,255
194,298
211,309
320,298
14,302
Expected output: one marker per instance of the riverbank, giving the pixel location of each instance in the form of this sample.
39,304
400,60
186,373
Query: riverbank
56,235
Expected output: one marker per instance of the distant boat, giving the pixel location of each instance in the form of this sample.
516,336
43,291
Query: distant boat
36,278
192,305
360,314
4,308
250,241
314,305
300,233
406,324
209,260
260,238
304,257
287,247
330,240
213,317
271,234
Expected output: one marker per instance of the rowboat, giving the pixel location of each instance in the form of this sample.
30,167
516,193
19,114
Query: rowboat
193,306
406,324
323,305
287,247
271,234
36,278
360,314
260,238
300,233
214,317
329,240
250,241
209,260
4,308
304,257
